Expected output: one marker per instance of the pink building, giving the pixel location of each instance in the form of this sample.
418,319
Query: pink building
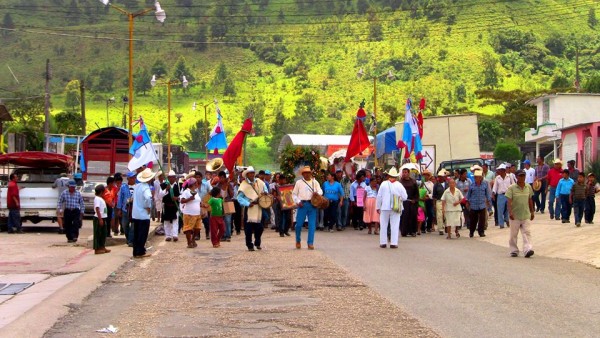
580,143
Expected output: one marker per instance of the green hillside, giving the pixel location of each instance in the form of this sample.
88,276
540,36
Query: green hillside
296,58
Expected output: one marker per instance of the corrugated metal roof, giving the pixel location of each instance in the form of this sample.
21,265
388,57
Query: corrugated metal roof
314,140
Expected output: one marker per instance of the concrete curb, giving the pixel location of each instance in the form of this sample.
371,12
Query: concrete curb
120,240
57,305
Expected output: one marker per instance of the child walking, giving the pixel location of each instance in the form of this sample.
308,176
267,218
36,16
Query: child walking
217,223
371,216
100,221
578,195
590,203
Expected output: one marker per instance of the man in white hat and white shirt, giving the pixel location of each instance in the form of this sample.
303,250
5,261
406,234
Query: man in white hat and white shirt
142,206
438,191
501,184
250,190
302,194
389,191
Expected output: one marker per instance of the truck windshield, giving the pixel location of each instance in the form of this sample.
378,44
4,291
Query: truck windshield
38,175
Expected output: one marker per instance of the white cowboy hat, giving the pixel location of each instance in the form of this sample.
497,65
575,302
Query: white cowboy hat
502,166
476,167
409,166
393,172
146,175
171,173
250,169
158,173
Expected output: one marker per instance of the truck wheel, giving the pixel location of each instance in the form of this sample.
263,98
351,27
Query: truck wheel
3,224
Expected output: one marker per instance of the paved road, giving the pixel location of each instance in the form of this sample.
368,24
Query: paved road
469,288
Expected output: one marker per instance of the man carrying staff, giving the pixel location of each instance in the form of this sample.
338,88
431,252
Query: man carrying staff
302,194
250,190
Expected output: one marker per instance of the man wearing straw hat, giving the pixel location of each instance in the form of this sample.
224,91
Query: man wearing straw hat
302,194
479,198
389,191
250,190
142,206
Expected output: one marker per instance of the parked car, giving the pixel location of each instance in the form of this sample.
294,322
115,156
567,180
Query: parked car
88,193
466,164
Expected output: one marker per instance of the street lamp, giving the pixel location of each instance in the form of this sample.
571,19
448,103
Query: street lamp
184,82
160,16
205,124
390,76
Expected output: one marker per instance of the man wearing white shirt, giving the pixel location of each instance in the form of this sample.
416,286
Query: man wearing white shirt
389,190
302,193
529,172
501,184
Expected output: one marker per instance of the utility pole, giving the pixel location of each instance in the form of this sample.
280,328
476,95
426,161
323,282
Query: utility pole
47,104
82,94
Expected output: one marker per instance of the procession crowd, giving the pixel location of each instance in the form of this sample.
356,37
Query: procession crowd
399,202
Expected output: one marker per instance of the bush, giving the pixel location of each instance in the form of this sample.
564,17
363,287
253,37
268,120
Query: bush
507,152
594,167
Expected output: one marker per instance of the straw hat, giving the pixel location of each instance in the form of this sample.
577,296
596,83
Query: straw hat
172,173
426,172
442,173
393,172
557,161
476,167
306,169
146,175
478,173
537,185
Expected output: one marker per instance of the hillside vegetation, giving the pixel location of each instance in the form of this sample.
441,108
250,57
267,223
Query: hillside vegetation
293,63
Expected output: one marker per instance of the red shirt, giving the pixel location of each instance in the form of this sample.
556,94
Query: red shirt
13,191
554,175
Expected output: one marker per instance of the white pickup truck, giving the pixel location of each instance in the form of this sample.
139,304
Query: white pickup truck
36,172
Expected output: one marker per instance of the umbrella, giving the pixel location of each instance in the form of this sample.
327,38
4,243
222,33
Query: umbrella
337,154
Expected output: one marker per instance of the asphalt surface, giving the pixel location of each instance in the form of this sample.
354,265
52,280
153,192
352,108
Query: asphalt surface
469,288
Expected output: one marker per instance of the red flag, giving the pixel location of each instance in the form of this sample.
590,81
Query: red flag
420,116
359,140
235,147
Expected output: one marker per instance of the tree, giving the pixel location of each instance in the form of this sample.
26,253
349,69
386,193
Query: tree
331,72
229,88
560,81
278,129
592,85
517,116
491,78
490,131
7,22
281,16
142,81
257,110
178,116
68,122
73,13
181,70
592,20
307,112
375,32
461,93
201,38
28,117
72,94
221,74
196,140
507,152
159,68
362,6
106,78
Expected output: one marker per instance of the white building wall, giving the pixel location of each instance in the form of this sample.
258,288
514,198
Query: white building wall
569,110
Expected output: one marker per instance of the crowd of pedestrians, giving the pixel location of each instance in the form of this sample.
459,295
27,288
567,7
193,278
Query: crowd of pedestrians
400,202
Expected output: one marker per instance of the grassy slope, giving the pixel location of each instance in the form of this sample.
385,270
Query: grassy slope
465,45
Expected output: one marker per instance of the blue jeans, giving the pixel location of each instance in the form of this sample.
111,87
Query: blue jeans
141,227
502,210
127,227
554,212
14,220
285,221
307,209
578,206
565,207
227,219
342,218
539,197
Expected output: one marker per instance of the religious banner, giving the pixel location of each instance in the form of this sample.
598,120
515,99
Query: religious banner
287,202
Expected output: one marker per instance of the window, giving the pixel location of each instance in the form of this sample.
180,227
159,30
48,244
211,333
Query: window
545,111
